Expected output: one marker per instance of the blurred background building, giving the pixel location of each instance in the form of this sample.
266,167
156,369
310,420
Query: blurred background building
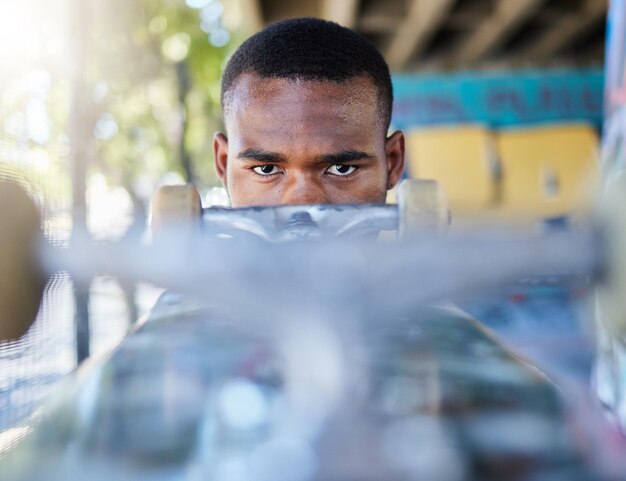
103,101
448,35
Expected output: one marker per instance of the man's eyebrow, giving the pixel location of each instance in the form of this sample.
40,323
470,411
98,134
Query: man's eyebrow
261,155
345,156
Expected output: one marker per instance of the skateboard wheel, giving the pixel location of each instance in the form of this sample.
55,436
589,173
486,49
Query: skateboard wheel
422,207
176,207
21,279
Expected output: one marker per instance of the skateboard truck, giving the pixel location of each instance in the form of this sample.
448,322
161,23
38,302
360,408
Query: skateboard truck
26,260
421,209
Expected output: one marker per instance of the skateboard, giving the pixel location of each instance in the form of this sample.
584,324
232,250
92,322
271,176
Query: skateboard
322,365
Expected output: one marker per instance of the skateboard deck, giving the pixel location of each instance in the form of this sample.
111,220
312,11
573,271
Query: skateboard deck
154,408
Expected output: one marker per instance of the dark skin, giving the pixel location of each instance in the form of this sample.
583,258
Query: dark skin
306,142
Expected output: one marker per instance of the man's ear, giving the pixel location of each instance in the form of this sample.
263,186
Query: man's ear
394,152
220,151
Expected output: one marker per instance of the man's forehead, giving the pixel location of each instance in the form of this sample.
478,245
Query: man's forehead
356,96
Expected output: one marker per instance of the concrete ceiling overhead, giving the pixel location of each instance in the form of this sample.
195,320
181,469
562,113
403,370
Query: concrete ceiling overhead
443,35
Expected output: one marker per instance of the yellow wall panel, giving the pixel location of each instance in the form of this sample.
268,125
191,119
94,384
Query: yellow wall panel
546,171
461,159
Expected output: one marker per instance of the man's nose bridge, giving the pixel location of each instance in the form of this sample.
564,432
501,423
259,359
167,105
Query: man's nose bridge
304,188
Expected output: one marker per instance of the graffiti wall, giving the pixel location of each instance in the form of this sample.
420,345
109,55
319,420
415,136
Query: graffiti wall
499,99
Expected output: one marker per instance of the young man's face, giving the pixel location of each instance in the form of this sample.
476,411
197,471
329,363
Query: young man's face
306,142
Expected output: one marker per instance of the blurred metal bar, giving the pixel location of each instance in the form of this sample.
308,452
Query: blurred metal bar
566,30
343,12
422,21
507,17
79,134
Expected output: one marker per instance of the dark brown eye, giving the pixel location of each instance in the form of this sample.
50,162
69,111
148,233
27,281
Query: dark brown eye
341,169
267,169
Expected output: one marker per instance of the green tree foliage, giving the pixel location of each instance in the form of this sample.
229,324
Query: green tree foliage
150,93
155,79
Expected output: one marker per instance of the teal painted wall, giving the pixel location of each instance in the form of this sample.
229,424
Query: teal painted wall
499,99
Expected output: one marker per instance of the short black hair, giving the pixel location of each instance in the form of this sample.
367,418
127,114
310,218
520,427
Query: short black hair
311,49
